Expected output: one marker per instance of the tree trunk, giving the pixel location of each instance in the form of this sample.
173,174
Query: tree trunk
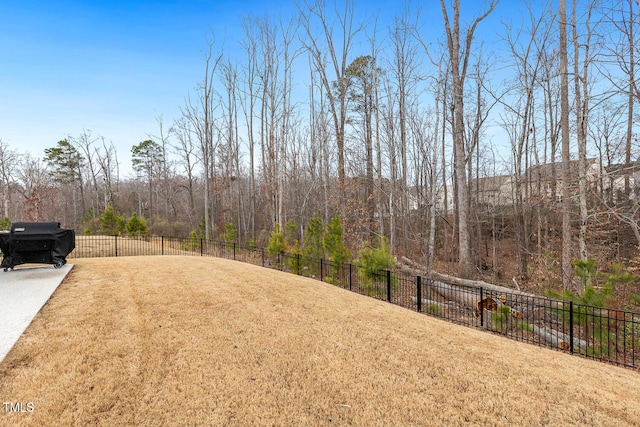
566,193
558,339
459,61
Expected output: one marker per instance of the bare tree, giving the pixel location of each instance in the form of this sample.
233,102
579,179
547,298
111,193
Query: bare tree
201,115
9,162
85,144
566,156
162,139
230,149
248,102
186,149
404,69
526,41
107,159
624,48
320,156
582,100
332,70
36,189
480,106
459,60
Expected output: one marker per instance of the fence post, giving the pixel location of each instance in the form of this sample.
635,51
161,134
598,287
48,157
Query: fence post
201,253
419,292
115,236
234,251
162,245
350,265
389,285
481,308
298,263
571,327
321,269
262,250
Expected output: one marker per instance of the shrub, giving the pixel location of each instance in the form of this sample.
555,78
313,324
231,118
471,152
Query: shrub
193,243
433,309
584,314
585,270
251,244
500,318
372,263
137,226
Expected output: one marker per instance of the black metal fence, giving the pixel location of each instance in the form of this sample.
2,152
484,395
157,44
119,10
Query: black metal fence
607,335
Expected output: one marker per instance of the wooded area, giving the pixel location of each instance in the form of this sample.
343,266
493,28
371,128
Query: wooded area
325,114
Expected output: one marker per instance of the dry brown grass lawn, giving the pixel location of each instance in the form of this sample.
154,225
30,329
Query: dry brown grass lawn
201,341
108,246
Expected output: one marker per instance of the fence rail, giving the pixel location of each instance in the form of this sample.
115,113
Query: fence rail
607,335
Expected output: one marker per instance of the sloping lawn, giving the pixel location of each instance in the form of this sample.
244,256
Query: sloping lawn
175,341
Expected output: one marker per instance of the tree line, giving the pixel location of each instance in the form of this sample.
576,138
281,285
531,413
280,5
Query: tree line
329,114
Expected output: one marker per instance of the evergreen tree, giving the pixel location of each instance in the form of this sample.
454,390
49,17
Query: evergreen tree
66,162
111,222
313,237
372,261
230,232
277,245
137,226
5,224
276,241
90,224
333,241
290,232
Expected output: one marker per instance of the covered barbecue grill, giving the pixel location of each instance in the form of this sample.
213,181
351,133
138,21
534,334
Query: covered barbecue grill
36,242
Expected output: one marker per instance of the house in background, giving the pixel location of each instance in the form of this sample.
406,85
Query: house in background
617,179
540,182
488,192
492,191
545,180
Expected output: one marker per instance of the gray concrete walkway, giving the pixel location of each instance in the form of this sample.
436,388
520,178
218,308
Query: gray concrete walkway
23,292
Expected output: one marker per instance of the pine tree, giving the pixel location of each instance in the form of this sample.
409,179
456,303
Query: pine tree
111,222
333,242
313,237
276,241
137,226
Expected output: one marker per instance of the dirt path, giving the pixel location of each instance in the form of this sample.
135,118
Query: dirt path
203,341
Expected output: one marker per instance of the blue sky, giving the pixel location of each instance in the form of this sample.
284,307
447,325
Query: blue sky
114,67
111,67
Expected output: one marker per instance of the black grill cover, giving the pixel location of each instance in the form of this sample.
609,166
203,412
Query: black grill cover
36,242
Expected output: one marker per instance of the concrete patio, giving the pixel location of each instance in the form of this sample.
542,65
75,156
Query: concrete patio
23,292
